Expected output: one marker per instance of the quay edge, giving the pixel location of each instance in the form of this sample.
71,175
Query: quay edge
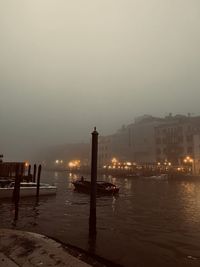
19,248
22,249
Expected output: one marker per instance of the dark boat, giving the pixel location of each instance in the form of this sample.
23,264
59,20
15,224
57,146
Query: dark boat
103,188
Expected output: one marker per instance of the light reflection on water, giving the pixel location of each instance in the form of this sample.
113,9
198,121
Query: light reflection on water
151,221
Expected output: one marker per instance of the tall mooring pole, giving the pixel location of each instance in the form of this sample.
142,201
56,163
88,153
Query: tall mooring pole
34,172
29,170
38,180
92,219
16,191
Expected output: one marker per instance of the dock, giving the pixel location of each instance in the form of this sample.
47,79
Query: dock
24,249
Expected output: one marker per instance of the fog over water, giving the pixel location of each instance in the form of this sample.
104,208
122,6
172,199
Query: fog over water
66,66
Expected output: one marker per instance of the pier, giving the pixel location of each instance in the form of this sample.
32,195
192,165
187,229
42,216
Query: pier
20,249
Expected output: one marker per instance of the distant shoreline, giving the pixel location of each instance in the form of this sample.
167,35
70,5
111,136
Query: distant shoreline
170,176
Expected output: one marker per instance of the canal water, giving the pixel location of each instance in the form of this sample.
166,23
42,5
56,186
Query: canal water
153,222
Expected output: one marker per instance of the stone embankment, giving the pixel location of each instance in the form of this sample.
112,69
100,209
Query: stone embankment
25,249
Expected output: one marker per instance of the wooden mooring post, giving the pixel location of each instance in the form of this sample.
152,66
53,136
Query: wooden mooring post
38,180
29,170
16,191
34,172
92,218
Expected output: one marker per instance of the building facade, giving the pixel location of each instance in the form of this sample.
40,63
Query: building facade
105,150
142,139
196,161
134,142
151,140
176,139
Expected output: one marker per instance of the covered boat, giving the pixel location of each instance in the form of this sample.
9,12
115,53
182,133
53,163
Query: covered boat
102,187
26,189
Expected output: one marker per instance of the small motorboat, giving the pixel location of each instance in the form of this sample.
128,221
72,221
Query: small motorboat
26,189
102,187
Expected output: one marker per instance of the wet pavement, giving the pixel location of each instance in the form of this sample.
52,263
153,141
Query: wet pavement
25,249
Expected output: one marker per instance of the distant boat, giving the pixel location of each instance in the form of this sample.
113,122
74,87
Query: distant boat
26,189
102,187
158,177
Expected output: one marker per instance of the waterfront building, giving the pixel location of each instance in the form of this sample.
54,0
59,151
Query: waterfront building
115,146
196,159
148,141
134,142
142,139
104,150
153,140
177,140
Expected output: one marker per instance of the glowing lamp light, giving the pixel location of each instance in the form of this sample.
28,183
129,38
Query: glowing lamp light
114,160
71,164
26,164
74,164
188,160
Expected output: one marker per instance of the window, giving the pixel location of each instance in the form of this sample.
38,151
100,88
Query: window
189,150
158,151
158,141
189,138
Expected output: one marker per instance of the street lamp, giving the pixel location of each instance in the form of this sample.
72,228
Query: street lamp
190,161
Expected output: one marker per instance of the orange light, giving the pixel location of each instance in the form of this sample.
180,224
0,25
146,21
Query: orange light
74,164
71,164
114,160
26,163
188,159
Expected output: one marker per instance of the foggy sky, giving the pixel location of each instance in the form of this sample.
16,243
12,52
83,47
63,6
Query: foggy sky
67,66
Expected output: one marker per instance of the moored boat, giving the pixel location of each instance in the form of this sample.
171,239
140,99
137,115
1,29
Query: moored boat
27,189
102,187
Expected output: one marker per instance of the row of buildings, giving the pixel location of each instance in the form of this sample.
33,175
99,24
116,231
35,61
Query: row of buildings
172,140
154,140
